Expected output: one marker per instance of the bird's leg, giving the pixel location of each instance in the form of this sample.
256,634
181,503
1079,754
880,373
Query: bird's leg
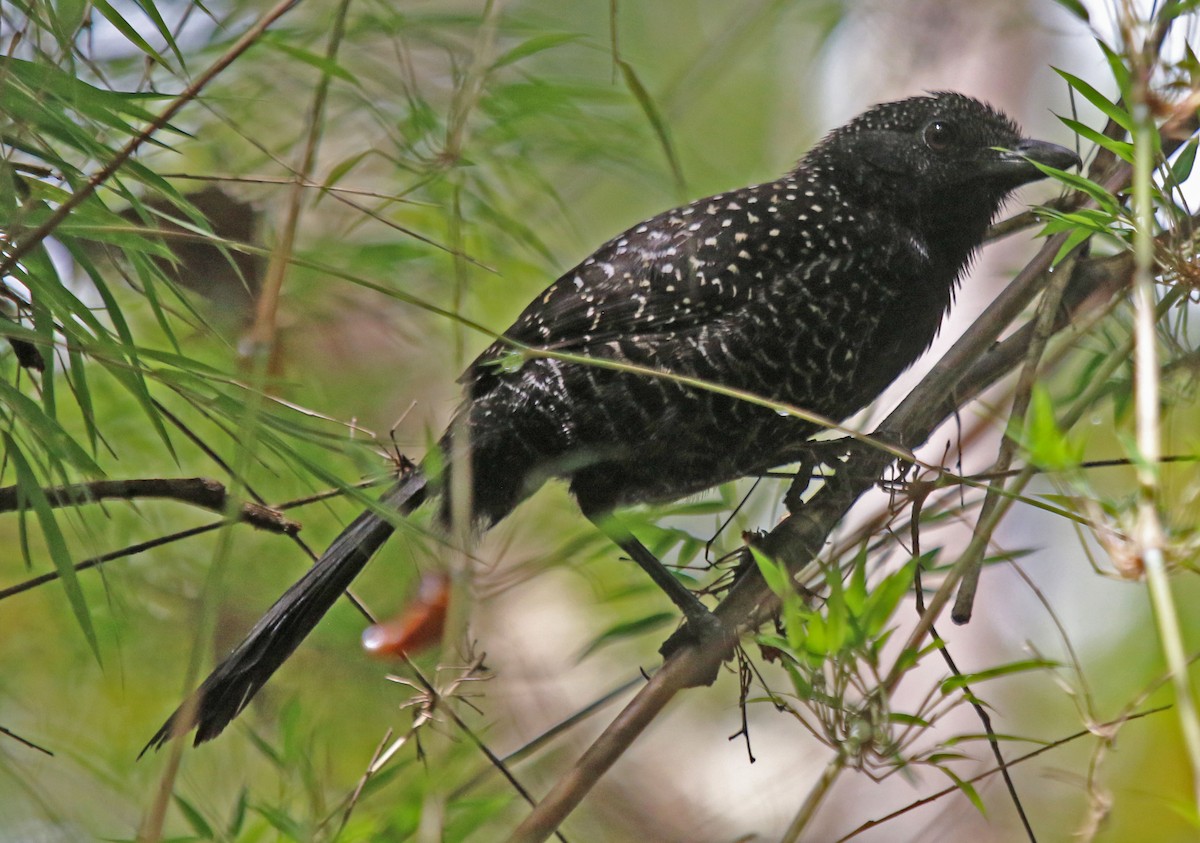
702,626
812,455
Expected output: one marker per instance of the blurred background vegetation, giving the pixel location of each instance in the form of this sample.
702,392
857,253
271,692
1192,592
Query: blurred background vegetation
407,172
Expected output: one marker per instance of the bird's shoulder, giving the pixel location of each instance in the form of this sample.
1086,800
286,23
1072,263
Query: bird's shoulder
684,266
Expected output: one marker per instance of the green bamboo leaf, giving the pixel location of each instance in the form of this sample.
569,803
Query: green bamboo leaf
340,170
132,378
817,638
1174,10
1076,8
531,46
151,10
657,122
1106,106
1120,72
1097,192
78,381
856,591
193,817
238,818
1122,149
64,17
328,67
955,683
1043,438
289,827
150,277
33,497
630,629
1181,170
902,719
32,417
968,790
801,685
955,740
837,621
129,31
795,622
886,596
774,574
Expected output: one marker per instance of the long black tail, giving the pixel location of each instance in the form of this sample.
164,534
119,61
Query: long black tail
223,695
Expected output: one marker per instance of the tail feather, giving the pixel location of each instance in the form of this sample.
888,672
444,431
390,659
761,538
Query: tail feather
231,686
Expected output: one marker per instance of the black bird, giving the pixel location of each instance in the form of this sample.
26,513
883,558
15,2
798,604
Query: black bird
816,289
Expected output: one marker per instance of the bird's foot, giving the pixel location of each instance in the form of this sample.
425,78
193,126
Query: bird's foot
704,630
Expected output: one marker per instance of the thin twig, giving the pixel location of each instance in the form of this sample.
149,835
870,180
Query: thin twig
203,492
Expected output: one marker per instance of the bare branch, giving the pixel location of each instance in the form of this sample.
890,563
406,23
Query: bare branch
203,492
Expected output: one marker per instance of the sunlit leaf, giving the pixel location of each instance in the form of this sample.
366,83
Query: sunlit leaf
1107,107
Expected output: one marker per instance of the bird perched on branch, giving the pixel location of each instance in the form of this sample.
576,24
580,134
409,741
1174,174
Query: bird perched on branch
815,290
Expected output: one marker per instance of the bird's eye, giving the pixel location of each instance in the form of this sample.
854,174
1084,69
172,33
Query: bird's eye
939,135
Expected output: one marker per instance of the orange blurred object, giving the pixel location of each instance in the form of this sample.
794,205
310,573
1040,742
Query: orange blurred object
419,626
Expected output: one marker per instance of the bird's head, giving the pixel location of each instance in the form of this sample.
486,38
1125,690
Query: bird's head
942,153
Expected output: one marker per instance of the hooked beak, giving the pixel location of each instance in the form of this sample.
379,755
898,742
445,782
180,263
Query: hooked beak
1014,164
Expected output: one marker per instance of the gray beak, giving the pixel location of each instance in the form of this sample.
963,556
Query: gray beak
1013,165
1050,154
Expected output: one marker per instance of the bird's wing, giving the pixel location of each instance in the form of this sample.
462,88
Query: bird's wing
658,277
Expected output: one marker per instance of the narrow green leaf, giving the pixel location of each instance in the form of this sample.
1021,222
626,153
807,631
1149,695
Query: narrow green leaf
342,168
56,543
1122,149
1118,68
31,416
83,395
886,596
238,818
278,41
1075,238
955,740
774,573
968,790
955,683
193,817
132,378
629,629
1182,168
536,44
1043,438
1076,8
907,719
1103,198
1106,106
151,10
801,686
286,825
128,30
657,122
1174,10
856,591
836,615
795,622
